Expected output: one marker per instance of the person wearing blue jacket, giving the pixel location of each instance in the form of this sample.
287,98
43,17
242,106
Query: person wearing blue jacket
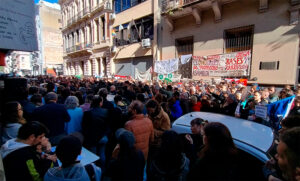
176,110
67,152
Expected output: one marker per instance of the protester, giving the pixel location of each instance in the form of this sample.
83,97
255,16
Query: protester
141,127
37,100
11,120
175,107
195,140
95,128
87,105
21,159
75,113
288,153
67,152
218,159
53,116
196,106
170,163
127,162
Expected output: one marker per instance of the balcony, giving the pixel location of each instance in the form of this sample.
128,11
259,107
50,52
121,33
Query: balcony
101,44
86,11
78,49
174,9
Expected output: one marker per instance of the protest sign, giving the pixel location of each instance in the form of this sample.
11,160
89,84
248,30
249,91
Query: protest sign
232,64
166,66
261,111
17,25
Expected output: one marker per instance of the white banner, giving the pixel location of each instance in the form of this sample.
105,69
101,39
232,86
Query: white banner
142,76
17,25
166,66
185,58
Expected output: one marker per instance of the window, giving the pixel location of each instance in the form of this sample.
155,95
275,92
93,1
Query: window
269,65
122,5
139,29
103,28
184,46
238,39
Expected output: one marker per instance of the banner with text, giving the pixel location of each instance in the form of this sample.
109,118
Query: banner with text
232,64
17,25
166,66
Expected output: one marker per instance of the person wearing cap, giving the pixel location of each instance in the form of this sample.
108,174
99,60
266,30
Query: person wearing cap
140,126
127,162
67,152
53,116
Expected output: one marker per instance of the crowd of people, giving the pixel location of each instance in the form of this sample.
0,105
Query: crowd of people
128,124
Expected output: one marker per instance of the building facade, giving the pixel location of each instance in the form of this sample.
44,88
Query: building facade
134,41
86,37
50,41
268,28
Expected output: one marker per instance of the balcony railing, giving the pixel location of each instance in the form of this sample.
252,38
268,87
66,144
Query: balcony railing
86,10
79,14
78,47
173,4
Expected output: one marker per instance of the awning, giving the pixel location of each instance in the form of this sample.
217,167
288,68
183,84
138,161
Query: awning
50,71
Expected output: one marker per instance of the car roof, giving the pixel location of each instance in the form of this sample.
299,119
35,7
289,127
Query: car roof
249,135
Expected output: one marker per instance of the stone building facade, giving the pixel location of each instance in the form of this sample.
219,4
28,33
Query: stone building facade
49,33
86,37
268,28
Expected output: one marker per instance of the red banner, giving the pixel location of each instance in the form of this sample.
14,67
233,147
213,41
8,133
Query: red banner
229,65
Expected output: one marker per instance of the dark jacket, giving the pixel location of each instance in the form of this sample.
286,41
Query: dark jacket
215,167
158,171
129,168
94,126
24,164
53,116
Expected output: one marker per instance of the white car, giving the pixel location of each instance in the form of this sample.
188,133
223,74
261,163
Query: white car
253,138
254,141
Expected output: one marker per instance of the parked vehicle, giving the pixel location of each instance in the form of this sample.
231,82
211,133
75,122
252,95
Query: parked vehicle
255,141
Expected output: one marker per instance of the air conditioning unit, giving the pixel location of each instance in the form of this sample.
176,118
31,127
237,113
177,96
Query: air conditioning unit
146,43
113,49
112,16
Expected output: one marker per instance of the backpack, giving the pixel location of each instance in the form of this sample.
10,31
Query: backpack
93,171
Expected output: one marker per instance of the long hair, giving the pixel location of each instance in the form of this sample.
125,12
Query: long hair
218,140
10,114
170,152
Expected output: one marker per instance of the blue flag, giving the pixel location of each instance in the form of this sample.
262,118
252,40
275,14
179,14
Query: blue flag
279,110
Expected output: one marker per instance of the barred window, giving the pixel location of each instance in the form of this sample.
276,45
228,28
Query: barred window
269,65
238,39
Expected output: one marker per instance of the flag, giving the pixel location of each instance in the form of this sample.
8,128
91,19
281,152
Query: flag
279,110
113,32
121,27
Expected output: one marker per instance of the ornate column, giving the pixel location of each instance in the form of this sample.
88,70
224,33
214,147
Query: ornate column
77,68
101,67
105,25
95,31
95,66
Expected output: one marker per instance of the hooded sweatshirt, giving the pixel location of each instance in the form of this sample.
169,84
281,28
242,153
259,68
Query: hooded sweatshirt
10,131
22,162
75,172
10,146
